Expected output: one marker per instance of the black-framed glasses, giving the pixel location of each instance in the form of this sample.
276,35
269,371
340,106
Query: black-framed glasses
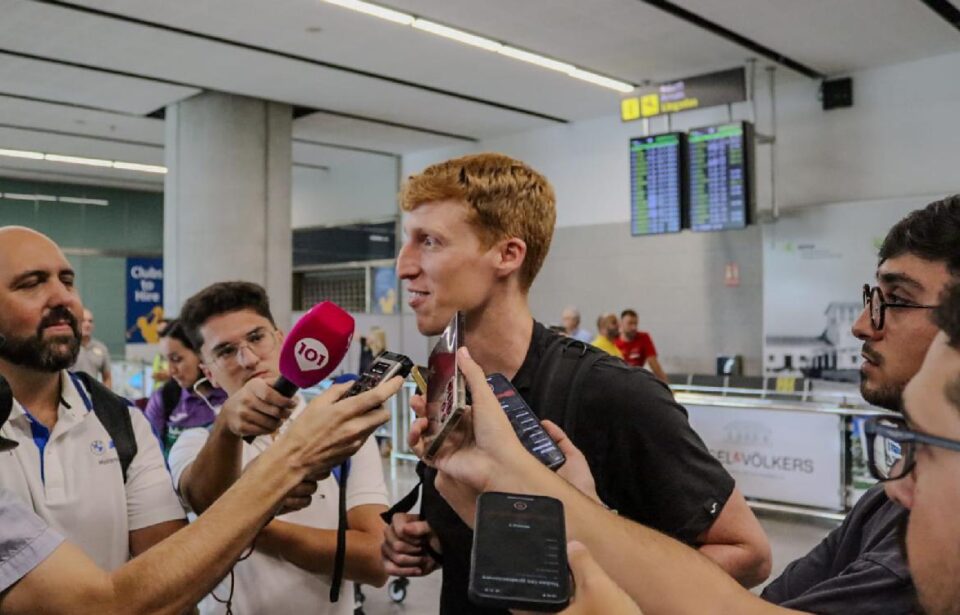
876,305
892,446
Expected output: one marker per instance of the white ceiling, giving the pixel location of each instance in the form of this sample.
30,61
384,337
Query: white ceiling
109,72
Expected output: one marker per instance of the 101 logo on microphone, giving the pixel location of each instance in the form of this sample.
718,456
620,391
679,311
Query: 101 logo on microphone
311,354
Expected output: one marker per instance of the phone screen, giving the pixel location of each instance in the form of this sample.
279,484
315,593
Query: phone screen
525,423
445,386
519,557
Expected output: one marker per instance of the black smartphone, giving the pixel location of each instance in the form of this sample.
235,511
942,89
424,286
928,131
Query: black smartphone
519,557
525,423
384,367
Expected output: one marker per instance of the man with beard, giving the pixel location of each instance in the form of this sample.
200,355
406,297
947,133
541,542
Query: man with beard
67,466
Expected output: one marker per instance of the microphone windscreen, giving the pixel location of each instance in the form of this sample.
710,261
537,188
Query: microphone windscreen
316,345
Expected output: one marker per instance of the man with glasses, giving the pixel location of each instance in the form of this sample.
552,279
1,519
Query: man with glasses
859,568
289,571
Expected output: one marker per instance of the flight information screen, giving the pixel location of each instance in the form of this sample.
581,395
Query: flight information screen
718,177
656,190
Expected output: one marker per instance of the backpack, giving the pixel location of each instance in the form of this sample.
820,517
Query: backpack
113,412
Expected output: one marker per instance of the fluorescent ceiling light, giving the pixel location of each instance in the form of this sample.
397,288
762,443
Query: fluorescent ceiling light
606,82
82,201
16,153
92,162
535,58
376,10
484,43
134,166
28,197
457,35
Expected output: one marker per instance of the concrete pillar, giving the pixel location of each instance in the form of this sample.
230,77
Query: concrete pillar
227,198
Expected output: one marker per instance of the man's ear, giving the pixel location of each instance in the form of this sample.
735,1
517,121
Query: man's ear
511,253
208,375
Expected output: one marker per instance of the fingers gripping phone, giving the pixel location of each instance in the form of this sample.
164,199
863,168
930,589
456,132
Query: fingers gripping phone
446,389
525,423
384,367
519,557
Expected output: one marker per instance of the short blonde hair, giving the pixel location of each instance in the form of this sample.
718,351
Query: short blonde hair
506,198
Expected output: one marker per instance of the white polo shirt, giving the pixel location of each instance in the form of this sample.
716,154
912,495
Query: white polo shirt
71,476
265,584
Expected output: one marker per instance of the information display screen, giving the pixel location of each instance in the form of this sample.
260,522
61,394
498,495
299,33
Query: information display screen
719,177
656,190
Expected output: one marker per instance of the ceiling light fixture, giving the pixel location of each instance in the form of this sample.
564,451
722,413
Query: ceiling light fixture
82,201
90,162
13,196
457,35
93,162
135,166
375,10
28,197
16,153
484,43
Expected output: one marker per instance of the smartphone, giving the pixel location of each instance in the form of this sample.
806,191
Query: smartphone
446,390
519,558
525,423
384,367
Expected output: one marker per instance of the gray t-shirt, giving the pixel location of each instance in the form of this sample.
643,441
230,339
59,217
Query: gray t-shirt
858,569
25,540
93,359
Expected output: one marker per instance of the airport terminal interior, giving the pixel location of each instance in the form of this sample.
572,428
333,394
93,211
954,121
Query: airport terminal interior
725,173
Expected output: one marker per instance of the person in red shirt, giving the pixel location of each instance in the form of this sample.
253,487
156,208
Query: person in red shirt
637,346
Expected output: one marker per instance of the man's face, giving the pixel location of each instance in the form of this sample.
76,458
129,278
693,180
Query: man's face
893,355
628,326
445,265
932,491
610,327
570,321
238,347
86,325
40,309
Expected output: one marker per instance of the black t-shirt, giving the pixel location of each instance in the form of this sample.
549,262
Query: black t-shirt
647,461
859,568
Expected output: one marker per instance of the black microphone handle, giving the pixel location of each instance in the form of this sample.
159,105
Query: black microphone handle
285,388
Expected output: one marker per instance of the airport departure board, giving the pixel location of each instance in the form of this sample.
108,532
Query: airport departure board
719,177
656,190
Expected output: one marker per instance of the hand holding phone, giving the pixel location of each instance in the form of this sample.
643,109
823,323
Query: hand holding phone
525,423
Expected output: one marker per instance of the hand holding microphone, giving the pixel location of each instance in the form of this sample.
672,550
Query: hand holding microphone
315,346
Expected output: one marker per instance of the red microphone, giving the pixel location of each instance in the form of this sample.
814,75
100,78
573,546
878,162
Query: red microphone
314,348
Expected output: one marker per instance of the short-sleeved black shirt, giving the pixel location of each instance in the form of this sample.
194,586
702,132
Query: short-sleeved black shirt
858,569
647,461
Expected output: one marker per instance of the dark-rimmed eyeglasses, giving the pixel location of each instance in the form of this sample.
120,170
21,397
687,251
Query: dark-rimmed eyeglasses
892,446
876,305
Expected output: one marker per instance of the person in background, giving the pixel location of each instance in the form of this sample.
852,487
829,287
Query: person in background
571,325
188,399
371,346
160,370
607,332
94,357
637,346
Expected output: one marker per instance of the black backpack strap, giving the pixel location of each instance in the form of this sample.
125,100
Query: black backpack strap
113,413
564,366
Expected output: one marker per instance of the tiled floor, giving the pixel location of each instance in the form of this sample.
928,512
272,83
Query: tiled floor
790,537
